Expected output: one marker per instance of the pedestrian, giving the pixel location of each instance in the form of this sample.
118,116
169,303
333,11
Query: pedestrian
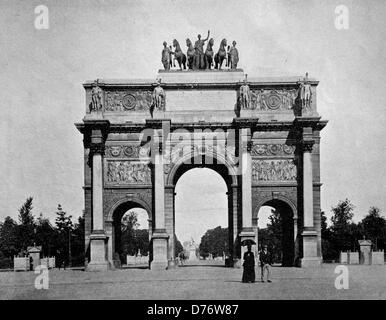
265,263
249,266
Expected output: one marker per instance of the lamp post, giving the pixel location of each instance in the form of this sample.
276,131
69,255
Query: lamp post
69,248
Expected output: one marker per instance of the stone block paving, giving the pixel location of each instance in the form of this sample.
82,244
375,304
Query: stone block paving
197,282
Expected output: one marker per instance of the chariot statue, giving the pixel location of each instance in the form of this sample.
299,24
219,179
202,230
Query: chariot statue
199,48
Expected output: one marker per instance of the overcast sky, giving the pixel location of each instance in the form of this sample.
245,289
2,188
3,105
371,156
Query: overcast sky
42,72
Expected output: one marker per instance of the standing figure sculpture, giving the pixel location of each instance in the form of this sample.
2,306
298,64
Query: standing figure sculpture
96,98
209,54
234,56
166,56
199,48
245,95
220,55
305,93
190,53
179,55
158,97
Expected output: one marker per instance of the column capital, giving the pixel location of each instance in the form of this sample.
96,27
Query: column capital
97,148
307,145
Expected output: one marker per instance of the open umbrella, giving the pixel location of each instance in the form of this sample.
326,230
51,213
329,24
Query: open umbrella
247,242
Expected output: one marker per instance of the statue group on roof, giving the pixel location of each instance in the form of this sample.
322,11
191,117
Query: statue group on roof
198,59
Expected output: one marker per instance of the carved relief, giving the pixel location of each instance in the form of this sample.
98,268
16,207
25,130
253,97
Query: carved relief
129,100
130,151
274,170
179,150
273,99
272,150
127,172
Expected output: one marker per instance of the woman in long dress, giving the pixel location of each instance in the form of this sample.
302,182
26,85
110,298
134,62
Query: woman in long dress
249,266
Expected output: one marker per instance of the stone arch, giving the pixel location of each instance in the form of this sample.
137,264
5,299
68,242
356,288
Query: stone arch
232,169
270,198
140,202
285,206
121,206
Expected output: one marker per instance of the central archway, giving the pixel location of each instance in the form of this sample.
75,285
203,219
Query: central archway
201,205
224,170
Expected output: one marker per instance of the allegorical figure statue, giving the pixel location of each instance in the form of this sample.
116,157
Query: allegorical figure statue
158,96
245,95
199,50
166,56
96,98
234,56
305,93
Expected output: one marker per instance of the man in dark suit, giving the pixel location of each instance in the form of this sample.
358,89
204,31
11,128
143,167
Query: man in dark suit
265,263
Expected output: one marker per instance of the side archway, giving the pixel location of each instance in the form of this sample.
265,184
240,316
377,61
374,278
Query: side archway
113,226
288,227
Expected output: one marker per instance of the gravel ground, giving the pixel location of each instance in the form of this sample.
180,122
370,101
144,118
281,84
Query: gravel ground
197,282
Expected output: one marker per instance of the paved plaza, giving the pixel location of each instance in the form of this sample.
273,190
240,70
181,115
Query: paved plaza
197,282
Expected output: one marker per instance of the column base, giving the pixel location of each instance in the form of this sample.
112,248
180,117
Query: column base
160,251
98,256
311,262
310,254
94,266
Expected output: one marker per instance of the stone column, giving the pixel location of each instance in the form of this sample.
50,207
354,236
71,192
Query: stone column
98,238
310,255
159,237
245,146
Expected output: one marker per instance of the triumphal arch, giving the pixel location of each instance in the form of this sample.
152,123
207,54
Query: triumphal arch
262,135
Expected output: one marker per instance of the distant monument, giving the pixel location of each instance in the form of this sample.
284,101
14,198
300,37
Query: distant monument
193,251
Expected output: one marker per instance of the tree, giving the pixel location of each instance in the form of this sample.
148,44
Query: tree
178,246
342,226
328,250
64,227
26,228
8,237
373,227
45,234
275,234
133,239
214,241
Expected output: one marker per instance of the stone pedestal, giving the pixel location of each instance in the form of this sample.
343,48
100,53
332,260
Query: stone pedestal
160,250
34,253
98,259
310,254
365,251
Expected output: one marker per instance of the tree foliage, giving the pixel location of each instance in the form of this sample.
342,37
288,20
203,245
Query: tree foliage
214,241
15,237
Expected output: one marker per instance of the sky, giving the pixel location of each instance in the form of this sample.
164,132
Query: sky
42,72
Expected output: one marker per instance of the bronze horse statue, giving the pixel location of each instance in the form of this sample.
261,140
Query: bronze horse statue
221,54
179,55
191,53
209,54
